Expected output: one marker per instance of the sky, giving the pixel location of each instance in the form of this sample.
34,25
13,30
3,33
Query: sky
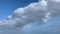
30,17
7,7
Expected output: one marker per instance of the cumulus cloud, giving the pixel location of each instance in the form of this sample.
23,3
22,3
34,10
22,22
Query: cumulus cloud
34,13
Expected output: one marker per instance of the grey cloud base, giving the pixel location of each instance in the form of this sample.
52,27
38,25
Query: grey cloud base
54,8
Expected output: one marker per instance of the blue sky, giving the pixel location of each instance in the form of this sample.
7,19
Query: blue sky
7,7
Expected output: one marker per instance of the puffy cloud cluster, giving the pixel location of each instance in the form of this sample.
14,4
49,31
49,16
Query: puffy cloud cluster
34,13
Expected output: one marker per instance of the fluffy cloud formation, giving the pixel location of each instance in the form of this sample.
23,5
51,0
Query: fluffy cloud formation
34,13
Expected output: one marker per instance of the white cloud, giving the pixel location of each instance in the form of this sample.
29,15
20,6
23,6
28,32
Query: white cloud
35,13
32,13
43,2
